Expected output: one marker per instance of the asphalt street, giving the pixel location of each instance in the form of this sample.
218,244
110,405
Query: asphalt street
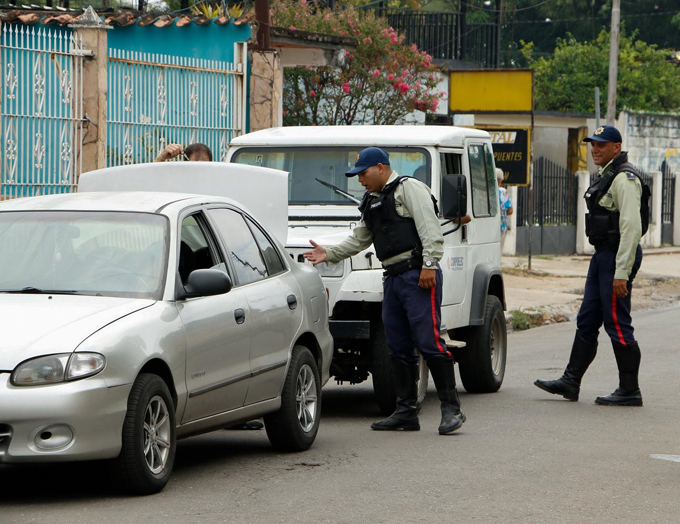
522,457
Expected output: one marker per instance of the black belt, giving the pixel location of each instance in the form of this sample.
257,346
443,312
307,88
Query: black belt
402,267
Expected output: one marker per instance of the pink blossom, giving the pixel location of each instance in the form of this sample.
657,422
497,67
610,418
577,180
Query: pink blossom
395,85
403,87
368,40
346,53
390,76
431,76
312,93
351,57
433,105
376,72
357,32
345,87
293,28
308,67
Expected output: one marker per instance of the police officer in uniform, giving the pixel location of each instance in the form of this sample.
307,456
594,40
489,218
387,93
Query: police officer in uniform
399,217
614,226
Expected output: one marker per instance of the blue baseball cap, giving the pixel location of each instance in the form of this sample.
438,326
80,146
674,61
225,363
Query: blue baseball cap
605,134
369,157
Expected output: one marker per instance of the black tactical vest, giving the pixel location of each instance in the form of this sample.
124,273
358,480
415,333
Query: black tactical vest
602,225
392,234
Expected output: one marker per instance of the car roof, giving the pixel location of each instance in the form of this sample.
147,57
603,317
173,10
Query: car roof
386,136
128,201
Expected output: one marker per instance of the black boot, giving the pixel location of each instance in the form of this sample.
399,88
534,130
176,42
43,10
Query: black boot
405,417
445,382
628,392
569,385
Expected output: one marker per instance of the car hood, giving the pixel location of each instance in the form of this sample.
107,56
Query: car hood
323,235
34,325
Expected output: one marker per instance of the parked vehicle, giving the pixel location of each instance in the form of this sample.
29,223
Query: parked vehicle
455,163
134,318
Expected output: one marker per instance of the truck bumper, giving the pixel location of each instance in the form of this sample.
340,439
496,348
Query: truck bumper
350,329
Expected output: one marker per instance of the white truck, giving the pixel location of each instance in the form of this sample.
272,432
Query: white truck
458,164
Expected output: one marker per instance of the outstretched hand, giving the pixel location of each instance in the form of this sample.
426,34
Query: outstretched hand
316,255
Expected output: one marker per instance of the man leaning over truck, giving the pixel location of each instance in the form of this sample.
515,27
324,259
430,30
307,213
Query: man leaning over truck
399,217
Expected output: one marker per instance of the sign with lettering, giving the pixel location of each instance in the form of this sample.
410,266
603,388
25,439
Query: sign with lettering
511,153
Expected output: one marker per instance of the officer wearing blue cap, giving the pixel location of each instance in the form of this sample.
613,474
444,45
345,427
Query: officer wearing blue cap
399,217
614,225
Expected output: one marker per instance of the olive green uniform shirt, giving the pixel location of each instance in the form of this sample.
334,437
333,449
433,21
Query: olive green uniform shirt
412,199
624,196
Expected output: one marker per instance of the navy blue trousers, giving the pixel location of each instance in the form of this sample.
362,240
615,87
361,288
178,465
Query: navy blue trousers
600,304
412,317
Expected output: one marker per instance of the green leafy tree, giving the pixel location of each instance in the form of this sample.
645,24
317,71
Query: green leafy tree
566,81
379,82
654,21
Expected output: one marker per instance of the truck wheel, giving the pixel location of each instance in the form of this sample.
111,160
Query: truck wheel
295,425
381,369
482,361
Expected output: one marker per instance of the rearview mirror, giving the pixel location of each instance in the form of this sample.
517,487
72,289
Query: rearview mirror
454,196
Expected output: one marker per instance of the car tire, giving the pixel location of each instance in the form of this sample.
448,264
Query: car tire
295,425
149,440
383,381
482,360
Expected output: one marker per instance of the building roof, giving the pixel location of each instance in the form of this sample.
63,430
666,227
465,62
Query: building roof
36,15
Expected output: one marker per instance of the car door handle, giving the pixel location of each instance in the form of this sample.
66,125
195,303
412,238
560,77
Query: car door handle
292,301
240,316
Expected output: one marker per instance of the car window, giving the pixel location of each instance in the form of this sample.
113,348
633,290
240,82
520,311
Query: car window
89,253
194,249
272,258
479,178
242,249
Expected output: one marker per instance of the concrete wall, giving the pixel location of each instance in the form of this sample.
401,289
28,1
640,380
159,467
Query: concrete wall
651,139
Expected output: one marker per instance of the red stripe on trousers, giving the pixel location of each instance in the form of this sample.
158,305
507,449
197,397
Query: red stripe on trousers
434,323
616,320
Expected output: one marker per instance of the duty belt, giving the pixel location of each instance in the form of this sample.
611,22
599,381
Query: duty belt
402,267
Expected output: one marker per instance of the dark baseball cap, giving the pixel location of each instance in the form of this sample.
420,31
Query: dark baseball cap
369,157
605,134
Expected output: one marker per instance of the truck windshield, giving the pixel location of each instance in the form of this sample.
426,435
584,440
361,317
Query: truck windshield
317,175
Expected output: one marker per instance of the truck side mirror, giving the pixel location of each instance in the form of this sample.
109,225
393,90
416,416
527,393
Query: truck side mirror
454,196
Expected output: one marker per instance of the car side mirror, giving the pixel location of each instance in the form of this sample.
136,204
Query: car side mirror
454,196
205,283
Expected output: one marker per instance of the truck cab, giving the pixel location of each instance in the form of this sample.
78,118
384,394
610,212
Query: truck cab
458,165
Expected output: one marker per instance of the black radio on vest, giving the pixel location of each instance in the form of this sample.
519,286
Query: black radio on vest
602,225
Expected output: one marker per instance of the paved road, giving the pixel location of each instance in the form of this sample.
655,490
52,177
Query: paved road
522,457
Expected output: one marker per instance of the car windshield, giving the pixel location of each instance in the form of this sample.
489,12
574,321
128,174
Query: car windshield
87,253
317,175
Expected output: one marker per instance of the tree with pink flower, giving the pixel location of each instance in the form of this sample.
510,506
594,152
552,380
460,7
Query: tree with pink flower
380,82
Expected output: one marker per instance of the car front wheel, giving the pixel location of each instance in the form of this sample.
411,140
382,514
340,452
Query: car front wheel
295,425
149,441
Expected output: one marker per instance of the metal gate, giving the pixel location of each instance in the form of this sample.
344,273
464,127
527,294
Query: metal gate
41,112
157,99
555,200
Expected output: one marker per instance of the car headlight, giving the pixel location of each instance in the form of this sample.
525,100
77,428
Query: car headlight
52,369
326,269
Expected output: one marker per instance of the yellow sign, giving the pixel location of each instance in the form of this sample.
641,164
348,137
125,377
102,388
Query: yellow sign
491,91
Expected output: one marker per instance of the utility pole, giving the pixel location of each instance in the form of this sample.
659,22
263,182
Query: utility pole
613,62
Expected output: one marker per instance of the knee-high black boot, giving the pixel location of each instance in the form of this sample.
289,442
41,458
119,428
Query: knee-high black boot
445,382
405,416
569,385
628,393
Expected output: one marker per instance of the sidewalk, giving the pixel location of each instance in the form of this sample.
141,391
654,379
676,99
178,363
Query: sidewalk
553,289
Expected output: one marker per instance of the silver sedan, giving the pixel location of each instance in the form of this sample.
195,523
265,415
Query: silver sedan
132,319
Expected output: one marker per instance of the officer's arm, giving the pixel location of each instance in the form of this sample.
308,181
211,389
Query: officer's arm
418,203
359,240
626,192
